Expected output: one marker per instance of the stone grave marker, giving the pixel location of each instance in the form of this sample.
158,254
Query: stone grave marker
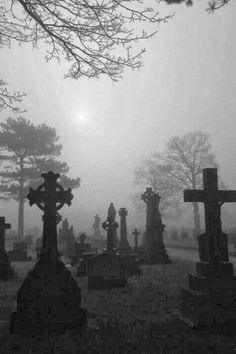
112,214
136,233
19,252
210,300
96,227
49,300
66,239
124,246
81,247
155,252
105,271
6,270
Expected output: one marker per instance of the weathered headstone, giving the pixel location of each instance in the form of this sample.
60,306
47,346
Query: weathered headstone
49,300
105,270
80,248
124,246
210,299
6,271
155,252
82,268
136,233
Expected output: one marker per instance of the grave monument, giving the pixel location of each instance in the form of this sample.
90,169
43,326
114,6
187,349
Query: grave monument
124,246
105,271
6,271
210,300
154,251
112,214
49,300
66,239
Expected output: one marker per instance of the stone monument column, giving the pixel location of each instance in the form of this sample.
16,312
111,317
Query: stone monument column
124,244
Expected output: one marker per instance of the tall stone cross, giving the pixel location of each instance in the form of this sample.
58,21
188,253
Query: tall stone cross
212,199
110,226
50,197
3,227
136,233
123,228
147,197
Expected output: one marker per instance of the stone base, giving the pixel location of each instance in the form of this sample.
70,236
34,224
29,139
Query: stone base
210,301
6,270
153,256
49,300
105,271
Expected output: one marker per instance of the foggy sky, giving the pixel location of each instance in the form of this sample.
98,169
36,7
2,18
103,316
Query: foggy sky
187,82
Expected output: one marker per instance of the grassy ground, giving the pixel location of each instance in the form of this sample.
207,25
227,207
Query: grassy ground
139,318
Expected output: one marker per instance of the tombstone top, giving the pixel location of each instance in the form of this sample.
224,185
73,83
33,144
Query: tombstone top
110,224
210,193
112,211
50,193
123,212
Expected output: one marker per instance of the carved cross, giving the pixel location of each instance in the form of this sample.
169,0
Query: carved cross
110,226
50,197
136,233
3,227
212,199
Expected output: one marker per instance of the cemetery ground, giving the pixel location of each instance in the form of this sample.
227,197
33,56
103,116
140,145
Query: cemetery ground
138,318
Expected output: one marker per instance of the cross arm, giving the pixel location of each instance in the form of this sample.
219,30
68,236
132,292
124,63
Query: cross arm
194,195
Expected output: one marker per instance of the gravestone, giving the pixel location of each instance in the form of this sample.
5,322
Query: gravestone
124,246
19,252
6,270
112,214
82,268
105,271
136,233
210,300
155,252
66,239
49,300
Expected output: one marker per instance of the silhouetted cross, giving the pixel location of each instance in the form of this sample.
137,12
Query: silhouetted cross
50,197
212,199
3,227
110,226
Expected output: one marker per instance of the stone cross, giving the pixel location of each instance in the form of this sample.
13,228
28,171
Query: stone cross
123,228
136,233
110,226
3,227
50,197
147,197
212,199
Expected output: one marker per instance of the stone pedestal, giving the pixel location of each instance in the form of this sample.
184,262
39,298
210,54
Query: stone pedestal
210,300
106,271
49,300
6,270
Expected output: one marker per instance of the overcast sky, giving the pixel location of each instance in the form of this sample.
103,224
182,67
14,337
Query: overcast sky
187,82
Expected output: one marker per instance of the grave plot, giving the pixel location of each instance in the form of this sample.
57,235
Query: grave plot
210,300
154,251
49,299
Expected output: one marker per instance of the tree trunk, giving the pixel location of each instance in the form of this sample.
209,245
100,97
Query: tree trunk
21,203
